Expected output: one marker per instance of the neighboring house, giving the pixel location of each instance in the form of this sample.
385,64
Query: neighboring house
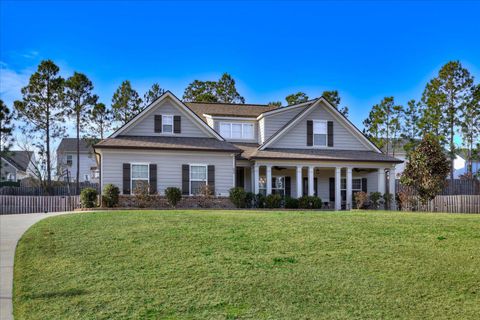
304,149
67,161
17,165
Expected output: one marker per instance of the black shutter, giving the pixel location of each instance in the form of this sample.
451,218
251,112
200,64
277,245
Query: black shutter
126,178
330,133
364,185
211,178
185,179
240,177
158,123
153,178
288,186
309,133
332,189
315,187
177,124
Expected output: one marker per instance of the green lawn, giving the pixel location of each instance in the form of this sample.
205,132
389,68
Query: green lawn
249,265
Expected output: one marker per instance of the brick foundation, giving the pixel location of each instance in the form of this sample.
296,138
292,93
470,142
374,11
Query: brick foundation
160,202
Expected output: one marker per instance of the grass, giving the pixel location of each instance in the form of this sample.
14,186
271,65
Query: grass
249,265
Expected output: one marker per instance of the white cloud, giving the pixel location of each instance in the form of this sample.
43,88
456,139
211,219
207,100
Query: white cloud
11,83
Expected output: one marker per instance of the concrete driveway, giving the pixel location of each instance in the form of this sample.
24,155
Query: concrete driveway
11,229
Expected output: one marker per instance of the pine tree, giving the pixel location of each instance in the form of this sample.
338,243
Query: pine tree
100,121
152,94
410,129
41,110
125,103
226,90
223,91
334,98
296,98
470,125
6,128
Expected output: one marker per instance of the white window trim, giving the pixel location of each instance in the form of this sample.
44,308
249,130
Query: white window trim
142,179
326,134
345,189
190,175
242,124
163,123
273,188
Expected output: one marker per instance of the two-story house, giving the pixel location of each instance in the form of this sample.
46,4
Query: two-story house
304,149
67,161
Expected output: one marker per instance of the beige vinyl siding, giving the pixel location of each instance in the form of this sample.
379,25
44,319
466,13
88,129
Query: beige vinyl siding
216,126
169,167
274,122
296,137
145,126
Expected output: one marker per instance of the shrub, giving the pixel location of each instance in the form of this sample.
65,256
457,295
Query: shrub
360,199
387,200
291,203
206,195
375,198
142,194
260,200
238,197
309,202
273,201
88,197
174,195
250,199
110,195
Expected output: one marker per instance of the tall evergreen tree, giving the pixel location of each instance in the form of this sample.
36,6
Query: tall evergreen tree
410,128
470,125
41,110
100,121
152,94
334,98
125,103
275,103
6,128
448,93
79,99
296,98
224,91
373,126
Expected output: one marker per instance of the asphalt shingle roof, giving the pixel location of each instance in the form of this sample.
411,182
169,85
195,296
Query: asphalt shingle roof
228,109
19,159
70,145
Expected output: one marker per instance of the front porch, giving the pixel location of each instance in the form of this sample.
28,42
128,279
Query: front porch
334,184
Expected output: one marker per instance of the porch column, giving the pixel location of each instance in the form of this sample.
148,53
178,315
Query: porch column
391,188
349,189
256,179
311,189
299,182
381,180
269,179
338,194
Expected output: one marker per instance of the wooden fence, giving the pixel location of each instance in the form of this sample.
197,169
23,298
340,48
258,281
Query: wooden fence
35,204
63,190
452,204
452,187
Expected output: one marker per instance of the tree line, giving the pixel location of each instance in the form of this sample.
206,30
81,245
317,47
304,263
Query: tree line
448,108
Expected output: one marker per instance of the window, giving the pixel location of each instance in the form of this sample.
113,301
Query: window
167,124
262,185
198,178
140,175
356,187
319,133
278,185
69,159
237,130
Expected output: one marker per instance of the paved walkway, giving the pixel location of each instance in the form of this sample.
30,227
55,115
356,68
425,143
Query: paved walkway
11,229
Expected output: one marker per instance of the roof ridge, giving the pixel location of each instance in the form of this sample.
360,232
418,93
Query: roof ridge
230,104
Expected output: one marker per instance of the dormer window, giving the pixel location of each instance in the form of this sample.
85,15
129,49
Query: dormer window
237,130
320,133
167,124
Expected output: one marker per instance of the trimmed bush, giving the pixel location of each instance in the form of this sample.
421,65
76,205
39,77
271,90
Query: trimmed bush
143,198
360,199
250,200
309,202
238,197
291,203
375,198
260,200
273,201
88,197
174,195
110,195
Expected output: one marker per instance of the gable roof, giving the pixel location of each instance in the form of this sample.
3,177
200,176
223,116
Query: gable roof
229,109
185,108
70,145
342,120
19,159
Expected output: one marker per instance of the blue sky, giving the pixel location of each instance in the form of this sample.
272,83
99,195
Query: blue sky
366,50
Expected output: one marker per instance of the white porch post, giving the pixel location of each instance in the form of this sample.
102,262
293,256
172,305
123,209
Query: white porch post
269,179
349,188
256,179
381,180
338,194
299,182
391,188
311,189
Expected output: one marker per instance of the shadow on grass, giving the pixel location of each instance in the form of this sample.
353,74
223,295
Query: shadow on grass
57,294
